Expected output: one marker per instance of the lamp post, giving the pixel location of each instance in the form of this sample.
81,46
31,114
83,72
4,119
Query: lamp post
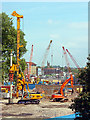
11,77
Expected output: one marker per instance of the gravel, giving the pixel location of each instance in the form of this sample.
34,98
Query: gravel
45,109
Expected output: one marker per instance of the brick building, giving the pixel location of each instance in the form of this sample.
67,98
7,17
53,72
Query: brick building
48,71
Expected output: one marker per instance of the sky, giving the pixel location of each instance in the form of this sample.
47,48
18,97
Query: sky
65,23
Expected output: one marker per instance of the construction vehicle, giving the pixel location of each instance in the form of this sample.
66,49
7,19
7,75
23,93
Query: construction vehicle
28,98
18,45
21,86
5,90
4,93
34,97
60,95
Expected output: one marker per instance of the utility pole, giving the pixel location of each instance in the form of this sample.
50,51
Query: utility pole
11,74
11,80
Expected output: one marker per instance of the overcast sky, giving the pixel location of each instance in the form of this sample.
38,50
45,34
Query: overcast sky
66,23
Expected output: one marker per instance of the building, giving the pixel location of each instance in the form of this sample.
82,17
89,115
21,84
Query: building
34,70
48,71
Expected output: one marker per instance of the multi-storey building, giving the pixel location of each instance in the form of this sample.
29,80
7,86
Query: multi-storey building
34,70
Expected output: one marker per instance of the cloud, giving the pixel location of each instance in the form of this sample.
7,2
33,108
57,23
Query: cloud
72,45
78,25
54,36
80,42
56,22
50,21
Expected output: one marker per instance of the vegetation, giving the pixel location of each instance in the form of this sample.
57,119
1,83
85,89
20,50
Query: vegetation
9,42
82,103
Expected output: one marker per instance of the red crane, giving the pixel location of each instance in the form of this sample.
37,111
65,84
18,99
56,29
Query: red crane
66,59
73,60
65,54
30,62
60,95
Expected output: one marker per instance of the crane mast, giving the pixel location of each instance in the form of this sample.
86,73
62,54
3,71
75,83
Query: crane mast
45,56
66,59
73,60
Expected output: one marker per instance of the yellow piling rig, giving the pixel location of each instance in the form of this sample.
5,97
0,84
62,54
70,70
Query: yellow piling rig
18,43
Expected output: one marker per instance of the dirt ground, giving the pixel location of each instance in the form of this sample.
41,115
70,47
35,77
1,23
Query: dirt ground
45,109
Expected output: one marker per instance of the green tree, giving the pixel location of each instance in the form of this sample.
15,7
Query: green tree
82,103
9,42
22,64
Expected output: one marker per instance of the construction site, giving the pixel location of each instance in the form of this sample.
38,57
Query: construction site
40,92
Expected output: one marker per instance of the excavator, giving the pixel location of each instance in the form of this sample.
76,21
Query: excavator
60,95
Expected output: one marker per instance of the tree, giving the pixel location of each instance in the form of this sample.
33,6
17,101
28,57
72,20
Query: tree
82,103
9,42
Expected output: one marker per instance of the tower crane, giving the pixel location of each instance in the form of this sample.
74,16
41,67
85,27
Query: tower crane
73,60
45,57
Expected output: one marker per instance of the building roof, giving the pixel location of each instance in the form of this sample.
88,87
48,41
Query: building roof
32,63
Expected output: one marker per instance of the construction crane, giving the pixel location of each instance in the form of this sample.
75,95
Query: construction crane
30,62
60,95
45,57
73,60
67,62
65,54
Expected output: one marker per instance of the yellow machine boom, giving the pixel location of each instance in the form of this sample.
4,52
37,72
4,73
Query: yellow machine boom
18,42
